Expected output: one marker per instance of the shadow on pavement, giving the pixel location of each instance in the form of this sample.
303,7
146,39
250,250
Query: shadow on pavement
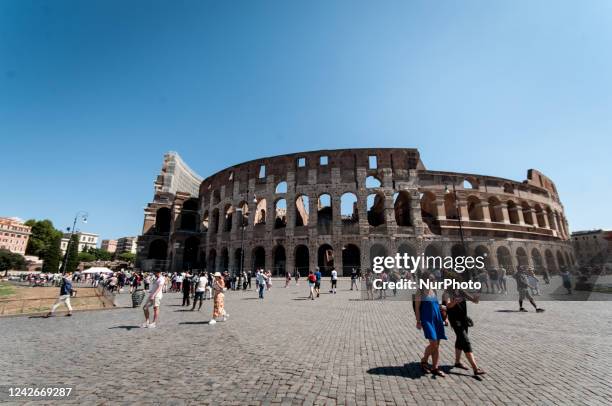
128,328
507,311
194,322
412,370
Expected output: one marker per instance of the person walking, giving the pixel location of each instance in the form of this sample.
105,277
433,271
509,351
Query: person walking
219,300
522,285
186,289
318,282
429,319
354,278
201,283
567,280
503,283
64,296
312,281
455,301
297,277
260,280
154,299
287,278
369,282
334,281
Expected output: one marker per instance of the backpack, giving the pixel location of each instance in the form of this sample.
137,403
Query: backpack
312,278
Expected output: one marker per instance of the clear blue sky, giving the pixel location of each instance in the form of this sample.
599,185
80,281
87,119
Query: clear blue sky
92,93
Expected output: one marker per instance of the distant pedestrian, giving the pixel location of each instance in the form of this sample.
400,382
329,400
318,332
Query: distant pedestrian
522,285
260,280
354,277
566,277
64,296
287,278
317,287
154,299
297,277
503,283
334,281
186,287
312,281
219,312
369,282
200,289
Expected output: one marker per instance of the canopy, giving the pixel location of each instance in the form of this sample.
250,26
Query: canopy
97,269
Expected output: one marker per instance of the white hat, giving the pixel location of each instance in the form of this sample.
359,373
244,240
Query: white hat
217,274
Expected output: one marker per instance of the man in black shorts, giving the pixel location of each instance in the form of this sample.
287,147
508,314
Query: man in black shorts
522,285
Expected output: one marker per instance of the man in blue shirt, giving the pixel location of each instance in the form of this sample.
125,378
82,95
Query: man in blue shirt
65,292
318,282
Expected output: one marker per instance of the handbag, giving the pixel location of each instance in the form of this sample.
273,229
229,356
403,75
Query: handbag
470,322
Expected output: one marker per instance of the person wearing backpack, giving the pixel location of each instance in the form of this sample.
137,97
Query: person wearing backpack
64,296
312,280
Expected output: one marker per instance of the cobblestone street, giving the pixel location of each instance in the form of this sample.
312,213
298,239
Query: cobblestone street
289,350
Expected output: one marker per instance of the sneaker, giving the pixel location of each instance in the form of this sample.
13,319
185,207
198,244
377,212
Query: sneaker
224,318
212,321
522,309
227,315
152,325
539,310
68,314
144,325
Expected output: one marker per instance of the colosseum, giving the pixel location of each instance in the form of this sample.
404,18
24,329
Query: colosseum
340,208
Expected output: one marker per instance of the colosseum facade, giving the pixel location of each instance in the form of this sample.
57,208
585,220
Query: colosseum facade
340,208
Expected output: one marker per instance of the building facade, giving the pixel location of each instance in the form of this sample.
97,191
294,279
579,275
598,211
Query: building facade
593,248
341,208
109,246
86,241
126,244
14,235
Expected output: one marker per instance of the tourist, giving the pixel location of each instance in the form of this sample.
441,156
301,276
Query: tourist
522,285
483,277
546,276
297,277
567,281
456,307
334,281
64,296
494,278
503,283
268,280
354,277
179,282
534,283
219,299
318,282
154,299
287,278
249,279
369,282
260,280
312,282
384,277
186,287
200,288
429,319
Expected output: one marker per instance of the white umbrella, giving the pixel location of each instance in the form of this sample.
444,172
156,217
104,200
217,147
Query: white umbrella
98,269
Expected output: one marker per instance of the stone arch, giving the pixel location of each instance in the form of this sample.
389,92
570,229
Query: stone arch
376,209
281,187
536,259
190,253
258,258
560,260
495,210
429,212
260,212
280,213
279,260
470,183
526,213
482,251
239,260
474,208
551,218
372,182
228,217
521,257
458,250
351,258
189,215
302,259
214,221
325,259
212,260
162,220
158,249
324,210
224,260
377,250
349,211
243,213
513,212
205,222
550,261
504,259
302,210
539,213
508,188
216,195
405,248
402,208
450,206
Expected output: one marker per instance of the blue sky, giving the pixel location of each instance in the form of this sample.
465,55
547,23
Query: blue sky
92,93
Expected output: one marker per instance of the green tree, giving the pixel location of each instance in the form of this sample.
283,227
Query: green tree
53,255
100,254
10,260
127,257
42,237
72,262
86,257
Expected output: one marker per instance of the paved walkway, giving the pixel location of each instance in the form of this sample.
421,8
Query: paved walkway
288,350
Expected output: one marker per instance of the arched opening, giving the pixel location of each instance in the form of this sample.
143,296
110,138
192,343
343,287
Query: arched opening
260,213
239,260
432,251
495,210
408,250
190,205
281,187
474,209
325,260
302,211
560,260
279,260
536,259
205,222
214,221
228,218
158,250
508,188
224,260
259,258
429,212
212,261
567,259
482,251
351,258
243,214
526,213
216,197
348,208
302,260
550,261
539,216
450,206
458,250
373,182
280,213
376,250
190,253
470,184
402,209
162,220
551,218
376,209
504,259
521,257
324,213
513,212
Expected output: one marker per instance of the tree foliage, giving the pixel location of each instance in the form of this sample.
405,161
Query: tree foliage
72,262
10,260
53,255
42,237
127,257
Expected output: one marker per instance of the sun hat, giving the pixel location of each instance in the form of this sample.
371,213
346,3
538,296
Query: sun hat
217,274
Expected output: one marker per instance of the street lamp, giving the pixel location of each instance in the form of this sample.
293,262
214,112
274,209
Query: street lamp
454,192
240,211
83,216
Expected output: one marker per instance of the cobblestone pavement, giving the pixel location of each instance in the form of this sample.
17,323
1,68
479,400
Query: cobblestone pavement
334,350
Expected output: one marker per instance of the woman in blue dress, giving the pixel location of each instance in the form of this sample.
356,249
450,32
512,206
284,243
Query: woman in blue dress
429,319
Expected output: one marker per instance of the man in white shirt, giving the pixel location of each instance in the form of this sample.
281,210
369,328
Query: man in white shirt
334,281
200,287
154,299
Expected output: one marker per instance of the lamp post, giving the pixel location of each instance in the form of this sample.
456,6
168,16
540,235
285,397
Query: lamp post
83,215
240,211
447,191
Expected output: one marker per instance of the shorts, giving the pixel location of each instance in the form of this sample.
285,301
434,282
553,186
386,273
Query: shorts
198,295
524,294
462,342
155,302
317,285
334,283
